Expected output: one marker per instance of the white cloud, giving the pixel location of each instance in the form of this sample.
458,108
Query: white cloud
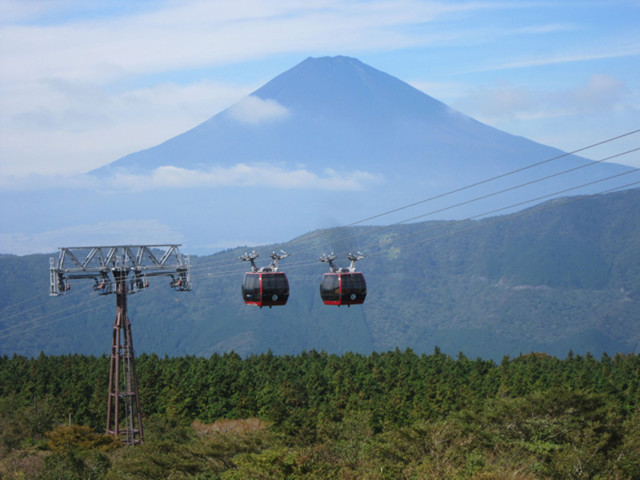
31,183
128,232
70,92
602,107
254,110
67,104
506,101
177,35
243,175
627,50
239,175
601,93
68,127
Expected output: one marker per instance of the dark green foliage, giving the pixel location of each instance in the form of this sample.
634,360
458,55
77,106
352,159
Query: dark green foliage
561,433
74,438
386,415
22,422
397,388
71,465
349,416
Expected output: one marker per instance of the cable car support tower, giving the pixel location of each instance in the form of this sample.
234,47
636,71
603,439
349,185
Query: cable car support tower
121,270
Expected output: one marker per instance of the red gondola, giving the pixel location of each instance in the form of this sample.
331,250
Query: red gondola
265,287
343,286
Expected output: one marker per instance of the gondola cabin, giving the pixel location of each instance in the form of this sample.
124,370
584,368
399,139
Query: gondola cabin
343,288
266,286
265,289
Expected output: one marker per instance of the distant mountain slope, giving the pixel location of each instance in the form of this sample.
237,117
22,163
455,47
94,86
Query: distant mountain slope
333,140
563,275
339,113
329,142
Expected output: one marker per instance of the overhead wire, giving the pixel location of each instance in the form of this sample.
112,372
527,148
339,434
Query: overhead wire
525,202
205,267
481,182
15,305
499,192
497,177
508,207
4,334
227,262
505,190
526,212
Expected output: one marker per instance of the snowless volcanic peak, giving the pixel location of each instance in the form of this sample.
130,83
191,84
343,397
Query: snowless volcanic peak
334,110
339,115
348,86
329,142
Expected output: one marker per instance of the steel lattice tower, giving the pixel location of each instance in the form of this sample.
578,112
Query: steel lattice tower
123,391
110,268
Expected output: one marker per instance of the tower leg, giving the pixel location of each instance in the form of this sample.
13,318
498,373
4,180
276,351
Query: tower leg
124,417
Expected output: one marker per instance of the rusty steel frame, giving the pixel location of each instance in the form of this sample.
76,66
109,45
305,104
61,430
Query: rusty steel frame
122,355
109,267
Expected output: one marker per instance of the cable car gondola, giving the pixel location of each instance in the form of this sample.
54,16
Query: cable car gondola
266,286
343,286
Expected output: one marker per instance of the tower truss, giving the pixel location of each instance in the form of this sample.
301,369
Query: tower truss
121,270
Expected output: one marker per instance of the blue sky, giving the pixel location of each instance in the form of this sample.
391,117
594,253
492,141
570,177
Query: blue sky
84,83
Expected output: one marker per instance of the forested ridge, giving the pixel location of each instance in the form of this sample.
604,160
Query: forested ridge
387,415
560,276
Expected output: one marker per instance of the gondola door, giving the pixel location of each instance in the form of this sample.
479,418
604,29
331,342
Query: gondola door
343,286
265,287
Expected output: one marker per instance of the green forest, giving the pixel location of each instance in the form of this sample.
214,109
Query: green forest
391,415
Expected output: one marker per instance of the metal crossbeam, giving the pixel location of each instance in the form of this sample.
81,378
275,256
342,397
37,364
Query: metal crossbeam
99,263
110,267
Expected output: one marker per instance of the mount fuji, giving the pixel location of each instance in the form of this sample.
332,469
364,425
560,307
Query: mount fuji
330,142
335,142
342,114
338,113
